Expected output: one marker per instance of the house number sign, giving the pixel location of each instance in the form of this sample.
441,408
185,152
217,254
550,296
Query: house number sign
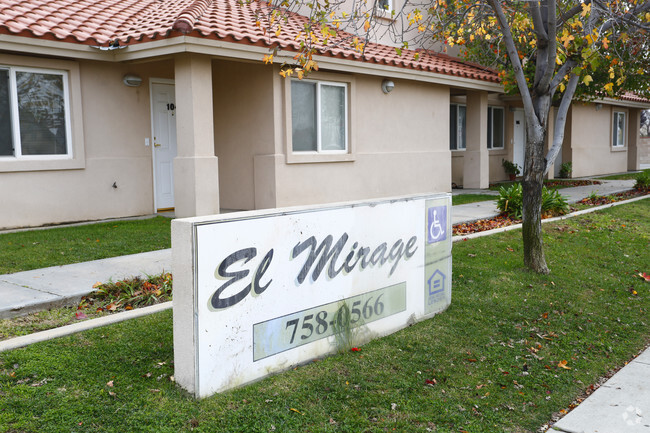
259,292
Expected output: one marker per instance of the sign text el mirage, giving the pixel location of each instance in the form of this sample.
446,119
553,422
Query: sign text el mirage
317,256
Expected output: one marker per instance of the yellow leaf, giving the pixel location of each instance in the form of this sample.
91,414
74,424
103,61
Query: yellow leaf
295,410
587,79
278,31
585,9
609,87
562,364
268,59
366,26
562,87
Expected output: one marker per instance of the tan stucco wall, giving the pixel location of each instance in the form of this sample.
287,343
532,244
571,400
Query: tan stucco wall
644,151
116,120
400,142
591,141
243,127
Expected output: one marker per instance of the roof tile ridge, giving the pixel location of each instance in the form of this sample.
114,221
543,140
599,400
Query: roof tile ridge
188,17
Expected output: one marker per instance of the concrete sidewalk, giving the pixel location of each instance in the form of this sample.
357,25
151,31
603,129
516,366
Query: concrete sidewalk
488,209
622,404
41,289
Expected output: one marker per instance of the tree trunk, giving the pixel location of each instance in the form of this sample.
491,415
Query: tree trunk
532,184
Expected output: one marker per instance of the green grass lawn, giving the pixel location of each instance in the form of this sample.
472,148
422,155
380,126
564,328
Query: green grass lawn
625,176
471,198
34,249
492,359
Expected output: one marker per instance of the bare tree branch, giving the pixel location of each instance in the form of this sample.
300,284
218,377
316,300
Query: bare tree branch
560,122
552,46
513,55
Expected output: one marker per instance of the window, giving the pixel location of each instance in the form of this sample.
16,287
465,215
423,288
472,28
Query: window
384,5
457,123
618,129
495,128
34,113
319,116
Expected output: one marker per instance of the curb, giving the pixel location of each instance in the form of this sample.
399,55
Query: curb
459,238
37,337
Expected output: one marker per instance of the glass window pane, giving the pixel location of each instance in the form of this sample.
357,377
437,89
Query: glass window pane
489,128
41,111
619,119
461,126
453,128
332,117
6,135
497,127
303,116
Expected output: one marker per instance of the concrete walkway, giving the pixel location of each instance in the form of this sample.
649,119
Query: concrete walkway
622,404
488,209
41,289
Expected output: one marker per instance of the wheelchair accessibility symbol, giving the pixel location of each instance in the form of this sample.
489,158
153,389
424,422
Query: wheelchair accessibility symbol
437,224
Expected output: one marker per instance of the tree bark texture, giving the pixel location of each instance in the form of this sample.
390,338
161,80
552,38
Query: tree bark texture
532,184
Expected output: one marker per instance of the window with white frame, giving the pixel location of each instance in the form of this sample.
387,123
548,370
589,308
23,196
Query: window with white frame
618,129
457,123
385,5
495,128
319,116
34,113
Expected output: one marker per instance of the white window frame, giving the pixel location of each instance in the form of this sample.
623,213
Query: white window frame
386,10
459,129
615,143
15,120
490,140
319,150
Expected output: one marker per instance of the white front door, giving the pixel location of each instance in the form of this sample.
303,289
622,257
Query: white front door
519,138
164,143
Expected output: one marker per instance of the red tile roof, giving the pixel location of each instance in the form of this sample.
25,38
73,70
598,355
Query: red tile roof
98,22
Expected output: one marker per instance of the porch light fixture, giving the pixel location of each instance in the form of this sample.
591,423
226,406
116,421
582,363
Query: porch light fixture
599,107
132,80
387,86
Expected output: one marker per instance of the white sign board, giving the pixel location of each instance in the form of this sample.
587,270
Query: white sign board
258,292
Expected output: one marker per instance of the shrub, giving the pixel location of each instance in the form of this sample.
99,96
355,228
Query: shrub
554,202
565,170
510,201
642,181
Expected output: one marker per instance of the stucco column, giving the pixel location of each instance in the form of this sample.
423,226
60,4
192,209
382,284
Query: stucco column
196,170
633,139
476,166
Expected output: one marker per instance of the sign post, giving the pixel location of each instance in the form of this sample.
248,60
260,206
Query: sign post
259,292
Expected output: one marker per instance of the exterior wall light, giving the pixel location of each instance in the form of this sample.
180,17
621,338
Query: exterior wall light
387,86
599,107
132,80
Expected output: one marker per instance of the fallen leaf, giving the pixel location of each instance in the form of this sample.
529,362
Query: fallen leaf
295,410
109,383
562,364
509,249
393,406
644,276
111,393
355,349
431,381
80,315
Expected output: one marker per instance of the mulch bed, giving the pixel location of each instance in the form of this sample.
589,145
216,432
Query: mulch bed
570,183
504,220
601,200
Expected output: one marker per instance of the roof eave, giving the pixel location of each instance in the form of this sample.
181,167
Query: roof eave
217,48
